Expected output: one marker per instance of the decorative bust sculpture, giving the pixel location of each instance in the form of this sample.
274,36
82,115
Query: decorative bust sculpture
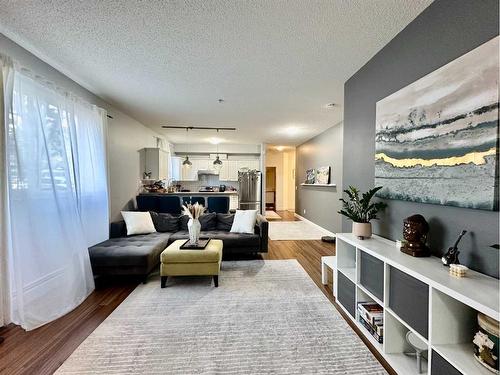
415,229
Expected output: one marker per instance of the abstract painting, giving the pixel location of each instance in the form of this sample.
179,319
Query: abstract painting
323,175
310,176
436,139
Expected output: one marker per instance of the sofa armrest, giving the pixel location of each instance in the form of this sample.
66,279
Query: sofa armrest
263,226
117,229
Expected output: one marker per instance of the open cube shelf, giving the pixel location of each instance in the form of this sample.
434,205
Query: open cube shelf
418,295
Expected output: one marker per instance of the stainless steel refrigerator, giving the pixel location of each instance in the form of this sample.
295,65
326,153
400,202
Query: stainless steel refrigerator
249,190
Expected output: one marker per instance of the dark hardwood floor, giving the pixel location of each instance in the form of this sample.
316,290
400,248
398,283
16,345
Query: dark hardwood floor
43,350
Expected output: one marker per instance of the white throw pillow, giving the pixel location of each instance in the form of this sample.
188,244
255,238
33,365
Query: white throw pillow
138,222
244,221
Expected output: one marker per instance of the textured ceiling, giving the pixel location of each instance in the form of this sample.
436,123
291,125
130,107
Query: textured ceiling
276,63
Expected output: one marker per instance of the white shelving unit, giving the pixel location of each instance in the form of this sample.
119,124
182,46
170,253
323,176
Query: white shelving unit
452,303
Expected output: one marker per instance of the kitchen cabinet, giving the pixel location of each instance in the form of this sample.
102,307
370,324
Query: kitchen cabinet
176,173
229,171
154,161
191,174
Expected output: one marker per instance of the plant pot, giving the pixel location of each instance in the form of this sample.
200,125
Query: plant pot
362,230
194,228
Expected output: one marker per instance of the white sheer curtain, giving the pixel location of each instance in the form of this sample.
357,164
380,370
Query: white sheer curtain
57,198
6,82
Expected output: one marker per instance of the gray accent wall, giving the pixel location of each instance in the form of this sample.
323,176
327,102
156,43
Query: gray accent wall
445,30
320,203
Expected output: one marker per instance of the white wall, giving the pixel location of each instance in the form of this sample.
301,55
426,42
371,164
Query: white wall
126,135
289,180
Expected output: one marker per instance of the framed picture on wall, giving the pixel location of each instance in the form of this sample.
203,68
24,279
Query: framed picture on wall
436,139
323,176
310,176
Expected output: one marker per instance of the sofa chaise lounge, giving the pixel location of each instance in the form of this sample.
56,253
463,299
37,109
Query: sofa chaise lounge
140,254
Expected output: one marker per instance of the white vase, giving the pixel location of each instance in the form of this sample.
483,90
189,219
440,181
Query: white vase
194,228
362,230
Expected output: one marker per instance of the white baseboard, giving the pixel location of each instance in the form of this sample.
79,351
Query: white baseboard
312,223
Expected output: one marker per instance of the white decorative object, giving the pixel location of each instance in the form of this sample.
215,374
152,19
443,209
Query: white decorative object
362,230
194,211
322,176
244,221
418,346
458,270
138,222
486,342
194,228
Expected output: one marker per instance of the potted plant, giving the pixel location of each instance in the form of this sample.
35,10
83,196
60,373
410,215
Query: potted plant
361,211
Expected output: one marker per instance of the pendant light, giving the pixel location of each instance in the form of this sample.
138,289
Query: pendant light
187,163
217,162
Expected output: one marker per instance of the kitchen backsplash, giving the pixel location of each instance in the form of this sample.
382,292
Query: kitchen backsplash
206,180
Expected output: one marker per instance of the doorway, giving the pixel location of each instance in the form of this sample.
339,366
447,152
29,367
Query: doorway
270,188
280,182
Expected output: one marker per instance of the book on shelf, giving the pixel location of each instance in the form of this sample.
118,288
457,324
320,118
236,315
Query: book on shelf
371,312
375,331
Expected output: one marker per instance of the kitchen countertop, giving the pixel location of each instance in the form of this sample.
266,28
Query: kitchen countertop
191,193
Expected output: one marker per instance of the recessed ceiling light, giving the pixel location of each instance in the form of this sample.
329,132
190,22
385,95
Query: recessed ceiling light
292,130
215,140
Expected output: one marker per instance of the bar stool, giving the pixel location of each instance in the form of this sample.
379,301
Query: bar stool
219,205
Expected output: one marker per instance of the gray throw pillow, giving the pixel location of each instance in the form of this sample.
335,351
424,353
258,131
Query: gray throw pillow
225,222
165,222
183,222
208,221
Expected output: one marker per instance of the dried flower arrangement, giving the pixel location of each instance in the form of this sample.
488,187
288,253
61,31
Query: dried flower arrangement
194,211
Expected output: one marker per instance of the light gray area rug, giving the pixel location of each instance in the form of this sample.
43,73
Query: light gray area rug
266,317
295,230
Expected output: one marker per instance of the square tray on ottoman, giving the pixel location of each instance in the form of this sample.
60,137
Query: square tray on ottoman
178,262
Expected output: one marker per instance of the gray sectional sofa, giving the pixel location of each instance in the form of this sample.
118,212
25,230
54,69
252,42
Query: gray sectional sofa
140,254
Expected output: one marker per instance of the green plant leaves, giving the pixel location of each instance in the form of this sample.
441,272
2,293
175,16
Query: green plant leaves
361,210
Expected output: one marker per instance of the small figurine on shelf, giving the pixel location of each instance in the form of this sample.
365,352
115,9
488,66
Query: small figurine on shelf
415,229
458,270
451,256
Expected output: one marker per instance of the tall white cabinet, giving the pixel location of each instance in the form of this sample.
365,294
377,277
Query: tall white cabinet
155,161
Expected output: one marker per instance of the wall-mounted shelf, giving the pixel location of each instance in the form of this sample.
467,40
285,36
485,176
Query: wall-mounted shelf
319,185
418,295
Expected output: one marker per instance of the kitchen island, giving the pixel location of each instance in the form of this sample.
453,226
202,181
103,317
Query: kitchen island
197,193
232,194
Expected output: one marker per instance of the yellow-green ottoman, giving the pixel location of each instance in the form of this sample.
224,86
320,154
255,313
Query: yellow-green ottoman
177,262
